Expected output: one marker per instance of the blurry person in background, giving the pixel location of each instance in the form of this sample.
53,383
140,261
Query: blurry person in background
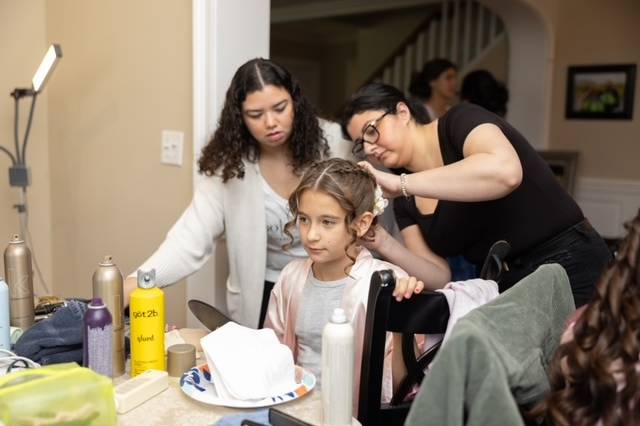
481,88
436,86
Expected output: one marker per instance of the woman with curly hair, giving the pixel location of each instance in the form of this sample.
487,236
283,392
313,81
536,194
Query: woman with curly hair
267,135
595,373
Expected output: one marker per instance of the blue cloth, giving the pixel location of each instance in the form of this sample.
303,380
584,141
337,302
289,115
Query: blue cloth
71,355
461,268
260,416
56,339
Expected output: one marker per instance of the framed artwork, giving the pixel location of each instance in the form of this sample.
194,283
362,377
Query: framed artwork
563,166
600,91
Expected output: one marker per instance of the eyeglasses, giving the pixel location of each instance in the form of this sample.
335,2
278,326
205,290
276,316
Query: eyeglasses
370,135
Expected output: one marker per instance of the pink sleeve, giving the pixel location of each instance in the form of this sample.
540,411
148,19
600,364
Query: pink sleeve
567,335
276,318
387,370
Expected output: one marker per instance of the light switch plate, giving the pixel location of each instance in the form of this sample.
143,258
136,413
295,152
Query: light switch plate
171,148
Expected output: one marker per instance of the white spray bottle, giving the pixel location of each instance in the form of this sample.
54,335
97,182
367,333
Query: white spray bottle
337,370
5,332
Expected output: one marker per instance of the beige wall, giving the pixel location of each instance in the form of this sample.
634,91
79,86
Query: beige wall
377,43
331,72
496,62
126,76
595,32
320,68
25,21
98,185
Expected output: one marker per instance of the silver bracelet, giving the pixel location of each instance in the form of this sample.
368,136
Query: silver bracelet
403,184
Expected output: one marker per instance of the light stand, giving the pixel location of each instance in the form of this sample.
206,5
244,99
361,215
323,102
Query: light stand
19,172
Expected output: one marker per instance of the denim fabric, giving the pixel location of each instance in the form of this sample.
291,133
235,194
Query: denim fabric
56,339
461,268
70,355
580,250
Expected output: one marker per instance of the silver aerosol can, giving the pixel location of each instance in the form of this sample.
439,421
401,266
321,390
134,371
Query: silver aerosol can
107,285
19,276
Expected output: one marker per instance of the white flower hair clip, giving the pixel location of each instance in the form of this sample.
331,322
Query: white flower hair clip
379,202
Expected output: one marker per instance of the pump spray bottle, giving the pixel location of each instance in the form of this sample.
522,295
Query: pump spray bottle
147,325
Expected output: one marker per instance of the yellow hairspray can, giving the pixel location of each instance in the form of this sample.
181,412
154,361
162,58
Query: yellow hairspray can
147,325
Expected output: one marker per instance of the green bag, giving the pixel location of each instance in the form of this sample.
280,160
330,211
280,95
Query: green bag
59,394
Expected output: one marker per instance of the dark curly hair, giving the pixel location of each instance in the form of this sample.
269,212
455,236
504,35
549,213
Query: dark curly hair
351,186
594,376
481,88
232,141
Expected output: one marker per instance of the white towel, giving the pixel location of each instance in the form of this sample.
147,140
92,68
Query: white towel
248,364
464,296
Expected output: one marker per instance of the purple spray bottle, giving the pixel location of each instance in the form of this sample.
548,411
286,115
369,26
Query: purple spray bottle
98,338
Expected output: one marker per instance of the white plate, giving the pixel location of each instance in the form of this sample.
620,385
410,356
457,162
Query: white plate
196,383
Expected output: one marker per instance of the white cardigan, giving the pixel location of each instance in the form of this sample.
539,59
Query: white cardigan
236,209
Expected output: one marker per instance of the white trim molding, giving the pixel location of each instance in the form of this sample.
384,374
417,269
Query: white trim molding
531,46
224,37
608,203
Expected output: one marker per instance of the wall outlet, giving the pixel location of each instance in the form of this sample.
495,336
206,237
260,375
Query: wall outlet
171,148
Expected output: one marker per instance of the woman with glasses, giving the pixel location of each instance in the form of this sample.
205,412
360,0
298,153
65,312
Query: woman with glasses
491,185
267,135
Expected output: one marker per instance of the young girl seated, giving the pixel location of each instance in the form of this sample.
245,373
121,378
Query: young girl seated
335,204
595,373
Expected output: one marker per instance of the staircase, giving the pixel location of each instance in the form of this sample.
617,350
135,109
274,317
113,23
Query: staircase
463,31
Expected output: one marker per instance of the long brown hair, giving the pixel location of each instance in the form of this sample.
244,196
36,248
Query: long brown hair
351,186
232,142
594,377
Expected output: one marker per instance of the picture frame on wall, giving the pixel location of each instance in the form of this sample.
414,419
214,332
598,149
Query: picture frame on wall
600,91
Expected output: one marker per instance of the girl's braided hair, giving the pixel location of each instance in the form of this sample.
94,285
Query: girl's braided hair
349,184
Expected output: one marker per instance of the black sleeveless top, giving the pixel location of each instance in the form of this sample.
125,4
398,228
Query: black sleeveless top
533,213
